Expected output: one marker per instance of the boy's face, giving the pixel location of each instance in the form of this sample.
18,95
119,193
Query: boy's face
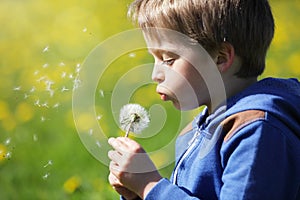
178,80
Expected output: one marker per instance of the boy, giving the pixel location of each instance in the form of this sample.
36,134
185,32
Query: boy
246,147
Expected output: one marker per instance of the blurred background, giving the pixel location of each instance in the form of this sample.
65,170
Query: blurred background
42,47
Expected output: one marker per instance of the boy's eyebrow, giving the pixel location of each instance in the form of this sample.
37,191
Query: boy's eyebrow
160,51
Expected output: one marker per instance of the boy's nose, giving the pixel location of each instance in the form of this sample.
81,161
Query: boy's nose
158,74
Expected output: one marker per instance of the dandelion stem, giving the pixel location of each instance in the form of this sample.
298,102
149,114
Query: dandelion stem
128,130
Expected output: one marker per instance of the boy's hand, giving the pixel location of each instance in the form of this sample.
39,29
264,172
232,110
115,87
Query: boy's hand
131,166
123,191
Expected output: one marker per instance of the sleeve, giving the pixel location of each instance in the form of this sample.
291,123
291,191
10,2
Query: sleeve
165,190
259,163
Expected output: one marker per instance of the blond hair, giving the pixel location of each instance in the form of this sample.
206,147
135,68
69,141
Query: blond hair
248,25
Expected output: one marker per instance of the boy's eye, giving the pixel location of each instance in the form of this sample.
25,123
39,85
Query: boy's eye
168,62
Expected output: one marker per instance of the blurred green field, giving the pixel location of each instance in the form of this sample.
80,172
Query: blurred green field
42,47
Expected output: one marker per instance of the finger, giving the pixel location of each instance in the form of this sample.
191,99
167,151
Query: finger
114,167
118,145
132,146
113,180
114,155
126,193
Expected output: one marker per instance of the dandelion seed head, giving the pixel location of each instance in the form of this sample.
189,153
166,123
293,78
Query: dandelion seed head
134,117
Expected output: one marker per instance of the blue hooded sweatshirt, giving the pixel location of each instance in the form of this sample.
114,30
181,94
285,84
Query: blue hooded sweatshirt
248,149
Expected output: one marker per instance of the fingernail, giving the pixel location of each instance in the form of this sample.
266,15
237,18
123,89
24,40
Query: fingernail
111,140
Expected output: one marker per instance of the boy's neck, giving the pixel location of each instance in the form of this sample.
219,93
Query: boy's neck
233,86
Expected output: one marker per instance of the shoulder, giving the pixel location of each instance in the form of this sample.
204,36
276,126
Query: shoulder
237,121
257,124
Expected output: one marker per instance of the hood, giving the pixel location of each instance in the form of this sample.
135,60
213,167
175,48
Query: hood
280,97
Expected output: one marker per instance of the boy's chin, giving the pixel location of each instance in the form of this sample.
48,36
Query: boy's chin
183,107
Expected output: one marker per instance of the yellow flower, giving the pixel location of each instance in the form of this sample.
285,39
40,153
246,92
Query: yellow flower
72,184
2,152
24,112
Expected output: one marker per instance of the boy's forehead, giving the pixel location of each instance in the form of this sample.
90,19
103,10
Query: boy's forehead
164,43
167,39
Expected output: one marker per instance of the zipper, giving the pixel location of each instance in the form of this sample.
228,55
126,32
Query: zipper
192,143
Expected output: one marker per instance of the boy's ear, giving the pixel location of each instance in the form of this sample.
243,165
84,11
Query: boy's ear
225,57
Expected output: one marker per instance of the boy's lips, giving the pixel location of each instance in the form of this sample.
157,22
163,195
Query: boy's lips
163,96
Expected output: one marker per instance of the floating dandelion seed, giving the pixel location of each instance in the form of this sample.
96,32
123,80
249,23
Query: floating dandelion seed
62,64
101,93
46,176
32,89
98,144
36,72
37,103
64,89
8,155
91,132
76,83
7,141
56,105
41,78
133,118
45,105
48,163
18,88
63,74
45,65
43,119
99,117
84,29
51,92
132,55
46,49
